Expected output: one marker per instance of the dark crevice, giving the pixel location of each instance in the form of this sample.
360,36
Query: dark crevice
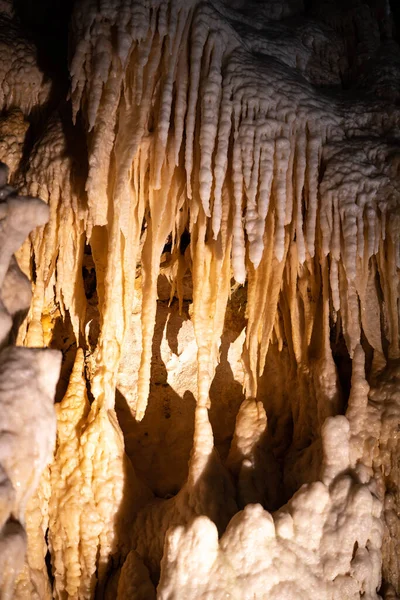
89,274
46,24
395,9
184,242
48,560
63,339
33,268
92,309
342,360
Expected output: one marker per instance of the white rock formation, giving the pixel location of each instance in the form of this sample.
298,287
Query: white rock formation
28,379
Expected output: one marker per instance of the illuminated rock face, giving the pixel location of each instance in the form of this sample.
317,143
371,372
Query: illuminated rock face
220,270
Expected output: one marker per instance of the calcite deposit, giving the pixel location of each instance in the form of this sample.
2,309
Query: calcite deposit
28,379
220,269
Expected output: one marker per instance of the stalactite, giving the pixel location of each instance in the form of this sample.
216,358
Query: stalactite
213,152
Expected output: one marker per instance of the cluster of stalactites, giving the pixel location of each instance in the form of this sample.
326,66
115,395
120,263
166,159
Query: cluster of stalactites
360,232
188,132
58,247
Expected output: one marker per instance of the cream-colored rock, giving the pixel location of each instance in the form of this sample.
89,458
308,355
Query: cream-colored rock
223,251
22,83
33,581
92,481
134,581
305,550
13,129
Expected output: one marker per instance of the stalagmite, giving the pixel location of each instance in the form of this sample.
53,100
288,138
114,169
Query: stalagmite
27,383
99,469
220,268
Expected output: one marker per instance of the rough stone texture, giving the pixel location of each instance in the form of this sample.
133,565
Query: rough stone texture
220,271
